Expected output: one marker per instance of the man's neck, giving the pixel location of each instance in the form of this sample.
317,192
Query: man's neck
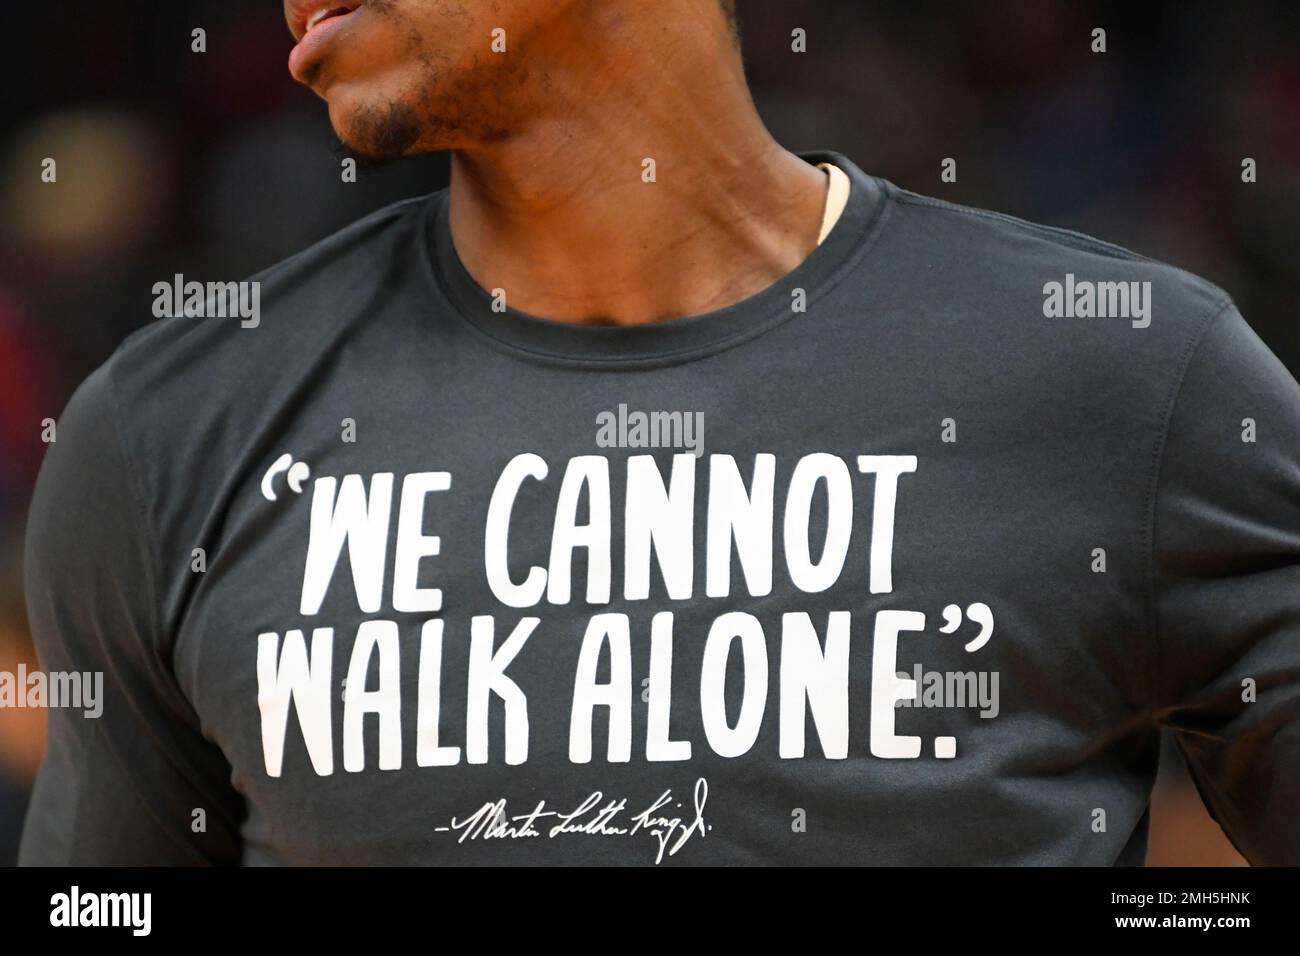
570,220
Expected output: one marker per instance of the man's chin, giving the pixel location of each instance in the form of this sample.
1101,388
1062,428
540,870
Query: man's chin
377,133
363,162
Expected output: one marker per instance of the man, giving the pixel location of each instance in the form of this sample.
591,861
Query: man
656,495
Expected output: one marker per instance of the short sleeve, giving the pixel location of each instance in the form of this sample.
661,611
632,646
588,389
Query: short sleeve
1226,587
136,783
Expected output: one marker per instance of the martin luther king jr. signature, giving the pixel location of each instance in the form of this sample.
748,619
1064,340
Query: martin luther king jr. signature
665,820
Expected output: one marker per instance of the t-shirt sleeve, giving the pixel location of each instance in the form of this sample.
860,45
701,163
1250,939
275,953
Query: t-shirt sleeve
1226,585
136,784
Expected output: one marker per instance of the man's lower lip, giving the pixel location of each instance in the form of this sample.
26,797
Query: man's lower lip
311,46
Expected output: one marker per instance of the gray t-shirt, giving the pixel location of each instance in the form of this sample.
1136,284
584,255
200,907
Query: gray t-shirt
400,575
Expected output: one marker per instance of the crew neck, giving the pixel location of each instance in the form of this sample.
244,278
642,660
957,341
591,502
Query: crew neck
672,340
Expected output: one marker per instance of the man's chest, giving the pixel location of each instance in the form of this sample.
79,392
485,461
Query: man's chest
635,602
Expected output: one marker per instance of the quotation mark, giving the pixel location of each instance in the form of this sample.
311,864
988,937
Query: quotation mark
295,473
979,612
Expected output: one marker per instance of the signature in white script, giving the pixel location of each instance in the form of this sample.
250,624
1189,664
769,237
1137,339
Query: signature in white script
594,816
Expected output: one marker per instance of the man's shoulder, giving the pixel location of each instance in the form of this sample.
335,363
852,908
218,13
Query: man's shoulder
1069,274
218,336
360,238
1039,313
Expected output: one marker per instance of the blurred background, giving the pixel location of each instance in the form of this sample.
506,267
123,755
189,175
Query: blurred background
216,164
